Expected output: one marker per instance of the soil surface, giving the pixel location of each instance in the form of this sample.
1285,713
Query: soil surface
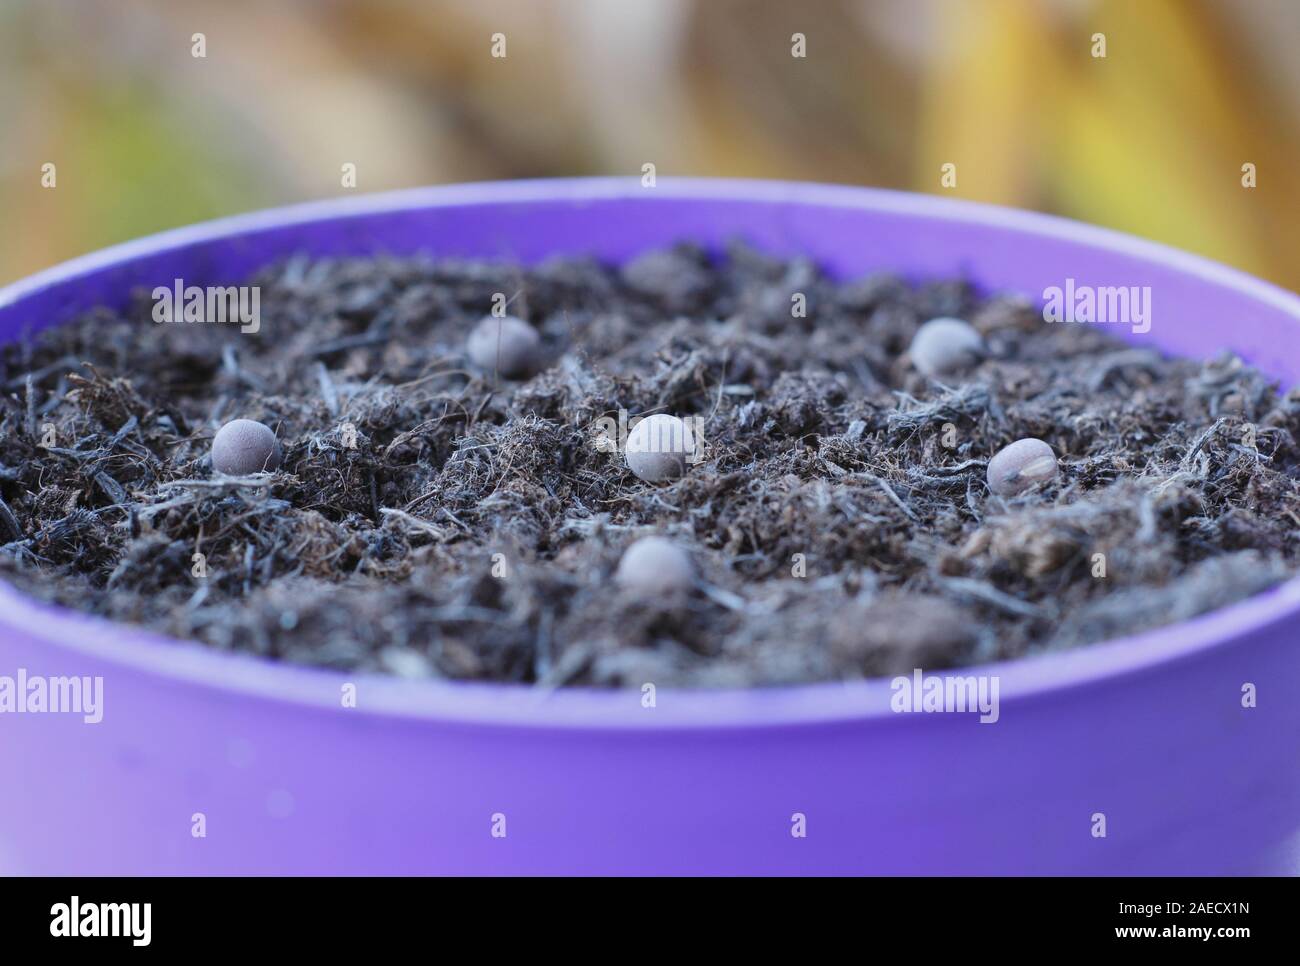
433,519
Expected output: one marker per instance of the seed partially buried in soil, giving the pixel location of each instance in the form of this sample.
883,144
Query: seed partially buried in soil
245,446
1017,467
505,345
946,345
659,446
655,565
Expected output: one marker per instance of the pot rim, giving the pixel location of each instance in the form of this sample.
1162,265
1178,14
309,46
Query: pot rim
602,709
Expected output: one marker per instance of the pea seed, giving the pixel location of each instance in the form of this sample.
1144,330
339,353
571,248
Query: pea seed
245,446
505,345
655,565
1021,465
945,345
658,447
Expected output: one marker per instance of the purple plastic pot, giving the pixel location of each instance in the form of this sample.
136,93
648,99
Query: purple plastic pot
1149,730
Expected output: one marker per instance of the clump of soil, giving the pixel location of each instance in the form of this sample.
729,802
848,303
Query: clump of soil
429,518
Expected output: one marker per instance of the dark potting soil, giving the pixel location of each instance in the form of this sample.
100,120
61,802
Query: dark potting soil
432,519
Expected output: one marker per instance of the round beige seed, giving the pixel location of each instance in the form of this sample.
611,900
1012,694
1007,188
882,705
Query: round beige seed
505,345
655,565
659,446
1021,465
942,346
245,446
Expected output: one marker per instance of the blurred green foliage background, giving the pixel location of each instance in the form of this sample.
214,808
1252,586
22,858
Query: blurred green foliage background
1150,139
